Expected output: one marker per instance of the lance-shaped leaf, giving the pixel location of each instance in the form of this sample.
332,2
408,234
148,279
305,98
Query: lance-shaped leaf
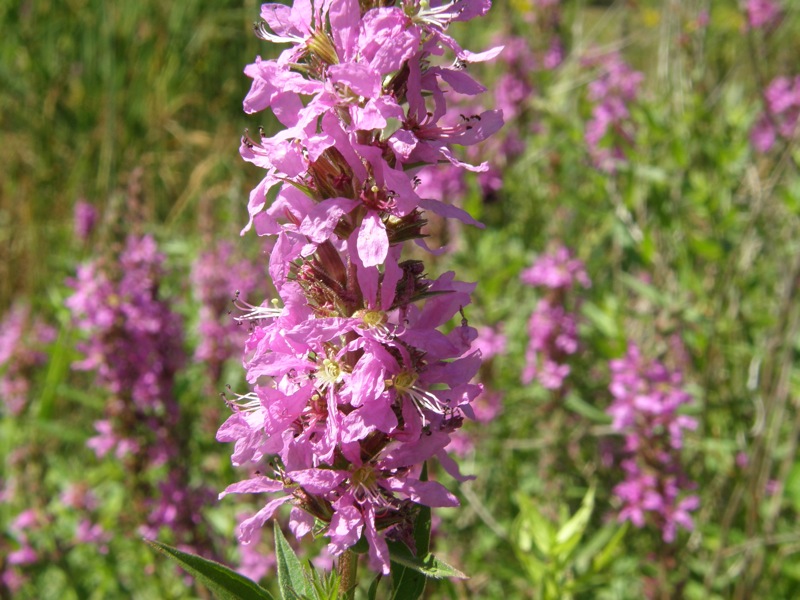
223,582
428,565
408,583
571,532
292,580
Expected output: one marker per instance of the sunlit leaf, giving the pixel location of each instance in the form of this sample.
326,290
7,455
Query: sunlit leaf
223,582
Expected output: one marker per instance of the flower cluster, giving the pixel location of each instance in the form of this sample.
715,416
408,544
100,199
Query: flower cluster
512,92
355,386
20,530
134,342
22,339
546,14
553,326
762,14
217,276
491,343
78,498
781,112
134,345
608,131
512,96
84,219
647,397
27,544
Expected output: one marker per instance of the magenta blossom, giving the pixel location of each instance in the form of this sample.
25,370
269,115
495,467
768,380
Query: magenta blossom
553,325
23,339
762,14
220,278
85,219
780,116
609,131
354,384
647,397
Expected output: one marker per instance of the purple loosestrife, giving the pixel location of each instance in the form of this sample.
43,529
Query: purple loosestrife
546,15
84,219
781,112
218,276
553,325
13,561
354,385
491,343
762,14
22,339
608,131
256,558
647,397
512,94
133,342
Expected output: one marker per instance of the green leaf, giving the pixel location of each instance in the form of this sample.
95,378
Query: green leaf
579,406
706,248
429,565
792,486
408,583
645,290
602,321
606,555
422,526
652,173
592,546
361,546
571,532
223,582
326,585
533,531
58,366
372,594
292,580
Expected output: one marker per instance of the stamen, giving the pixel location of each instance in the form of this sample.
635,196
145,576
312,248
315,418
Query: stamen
420,398
439,16
364,484
256,313
262,32
249,402
375,320
330,373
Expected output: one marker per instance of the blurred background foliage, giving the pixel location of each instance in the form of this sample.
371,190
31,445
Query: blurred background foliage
93,91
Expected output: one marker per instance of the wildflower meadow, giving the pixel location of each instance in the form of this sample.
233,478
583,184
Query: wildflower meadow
400,299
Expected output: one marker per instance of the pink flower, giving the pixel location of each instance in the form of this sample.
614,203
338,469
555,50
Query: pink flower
27,519
616,87
256,560
780,116
22,341
354,385
647,397
219,279
24,556
93,533
558,270
85,219
552,327
762,14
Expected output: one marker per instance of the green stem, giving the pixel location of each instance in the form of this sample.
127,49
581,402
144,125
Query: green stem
347,569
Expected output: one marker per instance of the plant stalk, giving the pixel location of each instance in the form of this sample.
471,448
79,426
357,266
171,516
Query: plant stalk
347,570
